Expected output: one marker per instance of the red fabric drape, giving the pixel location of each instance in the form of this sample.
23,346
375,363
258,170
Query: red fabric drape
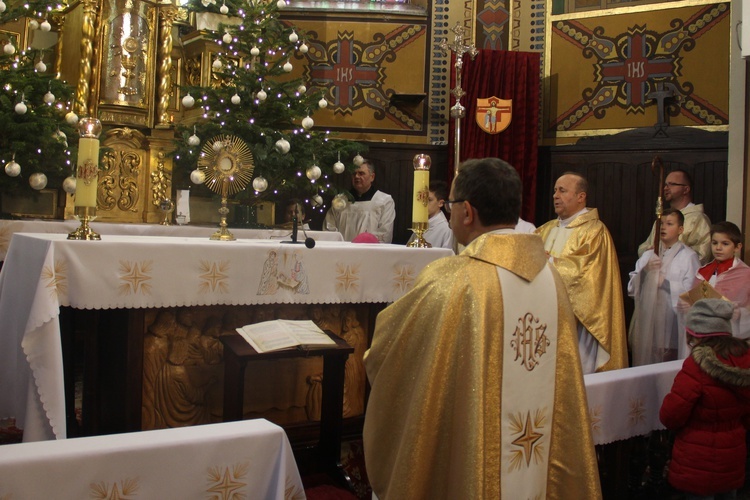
507,75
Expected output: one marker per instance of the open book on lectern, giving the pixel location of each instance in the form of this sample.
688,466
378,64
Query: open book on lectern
283,334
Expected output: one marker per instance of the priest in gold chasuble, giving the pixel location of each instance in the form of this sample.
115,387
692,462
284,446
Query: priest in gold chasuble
477,388
582,250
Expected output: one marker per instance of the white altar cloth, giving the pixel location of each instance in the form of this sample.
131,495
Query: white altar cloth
43,272
247,459
625,403
10,227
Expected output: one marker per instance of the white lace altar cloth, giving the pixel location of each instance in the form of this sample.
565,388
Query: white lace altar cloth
43,272
10,227
247,459
625,403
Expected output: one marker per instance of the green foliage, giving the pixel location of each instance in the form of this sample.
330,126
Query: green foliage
35,9
215,5
32,139
261,123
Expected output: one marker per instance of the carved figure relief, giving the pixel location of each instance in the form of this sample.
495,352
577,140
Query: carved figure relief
183,365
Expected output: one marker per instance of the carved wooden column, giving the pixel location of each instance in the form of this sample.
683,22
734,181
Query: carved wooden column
88,31
161,143
167,16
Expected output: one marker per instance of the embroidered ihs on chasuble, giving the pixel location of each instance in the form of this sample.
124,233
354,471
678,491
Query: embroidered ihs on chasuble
529,340
529,367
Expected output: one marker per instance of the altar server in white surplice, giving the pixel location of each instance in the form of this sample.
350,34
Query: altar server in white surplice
656,331
477,387
373,211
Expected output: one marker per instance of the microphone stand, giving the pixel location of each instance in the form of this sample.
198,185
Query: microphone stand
294,229
309,242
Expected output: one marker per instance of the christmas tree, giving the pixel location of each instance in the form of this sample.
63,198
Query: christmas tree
256,99
37,144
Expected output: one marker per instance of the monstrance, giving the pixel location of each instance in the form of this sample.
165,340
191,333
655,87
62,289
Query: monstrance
228,165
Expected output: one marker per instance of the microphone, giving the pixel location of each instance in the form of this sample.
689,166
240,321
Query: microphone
309,242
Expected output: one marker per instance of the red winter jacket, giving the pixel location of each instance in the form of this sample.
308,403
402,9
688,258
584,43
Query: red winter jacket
709,408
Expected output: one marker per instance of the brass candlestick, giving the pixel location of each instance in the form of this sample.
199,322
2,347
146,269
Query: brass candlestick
84,231
419,228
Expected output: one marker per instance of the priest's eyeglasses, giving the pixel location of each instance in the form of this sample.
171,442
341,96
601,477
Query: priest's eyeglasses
451,202
673,184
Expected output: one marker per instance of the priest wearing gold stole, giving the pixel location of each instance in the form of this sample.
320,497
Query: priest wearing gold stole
477,389
582,250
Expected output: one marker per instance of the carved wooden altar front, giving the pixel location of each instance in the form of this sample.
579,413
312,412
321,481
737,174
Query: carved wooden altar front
183,365
163,367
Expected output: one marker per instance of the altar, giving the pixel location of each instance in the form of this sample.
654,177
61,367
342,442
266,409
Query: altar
155,289
249,459
10,227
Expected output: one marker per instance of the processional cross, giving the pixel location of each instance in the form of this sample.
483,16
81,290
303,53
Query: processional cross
457,110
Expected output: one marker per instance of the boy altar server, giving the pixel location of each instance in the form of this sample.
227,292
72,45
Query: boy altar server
656,284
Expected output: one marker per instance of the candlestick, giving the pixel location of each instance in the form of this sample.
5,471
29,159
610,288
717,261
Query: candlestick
87,176
419,213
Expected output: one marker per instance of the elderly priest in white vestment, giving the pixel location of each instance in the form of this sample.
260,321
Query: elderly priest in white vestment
477,388
373,211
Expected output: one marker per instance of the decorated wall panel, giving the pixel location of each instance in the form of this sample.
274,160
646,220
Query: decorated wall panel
492,24
509,24
611,71
374,75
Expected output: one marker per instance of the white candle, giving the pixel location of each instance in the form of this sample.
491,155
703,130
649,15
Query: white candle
87,172
87,169
421,188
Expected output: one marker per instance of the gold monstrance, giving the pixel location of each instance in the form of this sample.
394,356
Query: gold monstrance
228,165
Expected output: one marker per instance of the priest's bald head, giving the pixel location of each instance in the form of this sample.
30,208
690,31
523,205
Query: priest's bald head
569,196
485,195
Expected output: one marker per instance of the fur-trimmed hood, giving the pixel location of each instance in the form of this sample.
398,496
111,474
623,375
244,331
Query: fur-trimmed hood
707,360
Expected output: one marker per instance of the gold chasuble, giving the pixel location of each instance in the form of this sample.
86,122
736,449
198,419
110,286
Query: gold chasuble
587,262
477,390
